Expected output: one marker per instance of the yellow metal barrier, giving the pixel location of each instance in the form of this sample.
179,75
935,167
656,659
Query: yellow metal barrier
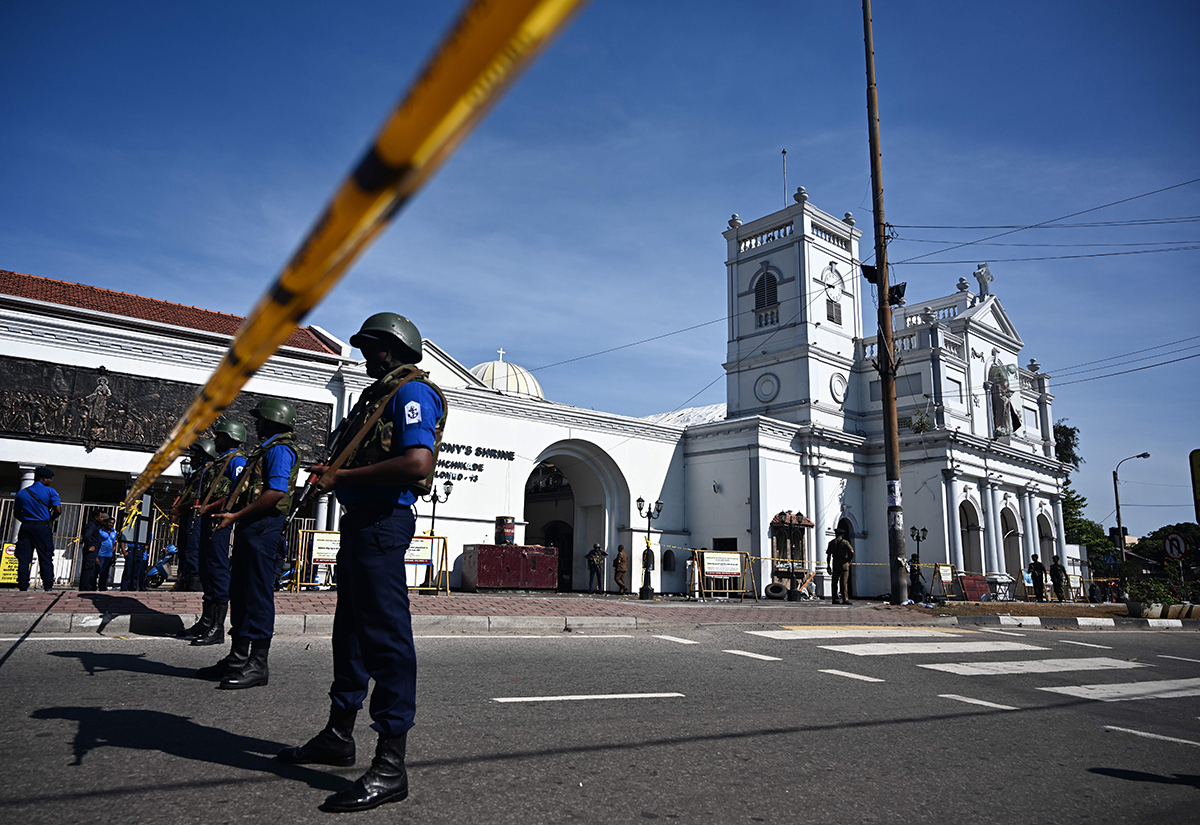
488,47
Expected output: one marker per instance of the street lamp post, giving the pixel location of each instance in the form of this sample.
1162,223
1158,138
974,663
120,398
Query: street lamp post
653,511
918,536
448,487
1117,498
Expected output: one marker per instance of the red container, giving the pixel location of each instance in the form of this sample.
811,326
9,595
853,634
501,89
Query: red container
509,566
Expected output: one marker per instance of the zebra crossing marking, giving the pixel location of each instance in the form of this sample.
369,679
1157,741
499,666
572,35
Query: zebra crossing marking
1130,691
979,702
1032,666
801,633
920,648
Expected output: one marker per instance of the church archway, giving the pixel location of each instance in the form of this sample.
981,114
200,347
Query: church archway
972,537
846,525
1047,546
576,483
1010,529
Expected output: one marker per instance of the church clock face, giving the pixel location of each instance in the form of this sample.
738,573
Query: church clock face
834,283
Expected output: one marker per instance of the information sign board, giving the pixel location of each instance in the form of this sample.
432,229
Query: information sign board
725,565
420,551
325,546
8,565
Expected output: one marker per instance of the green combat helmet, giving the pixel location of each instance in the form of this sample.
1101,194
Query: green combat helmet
396,327
277,410
235,430
205,447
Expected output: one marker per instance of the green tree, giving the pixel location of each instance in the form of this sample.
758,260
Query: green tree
1081,530
1066,444
1151,546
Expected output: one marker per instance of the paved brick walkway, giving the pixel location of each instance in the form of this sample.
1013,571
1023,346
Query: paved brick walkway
470,604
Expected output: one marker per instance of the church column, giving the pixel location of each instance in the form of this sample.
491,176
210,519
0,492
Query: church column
819,540
1029,516
1060,531
322,520
994,545
955,548
26,480
1045,417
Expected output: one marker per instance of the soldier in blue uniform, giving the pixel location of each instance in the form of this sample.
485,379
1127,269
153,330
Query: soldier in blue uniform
214,544
258,504
37,506
202,453
372,630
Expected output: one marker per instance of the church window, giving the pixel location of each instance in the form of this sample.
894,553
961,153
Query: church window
833,311
766,292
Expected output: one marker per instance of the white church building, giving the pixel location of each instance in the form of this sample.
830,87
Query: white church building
94,378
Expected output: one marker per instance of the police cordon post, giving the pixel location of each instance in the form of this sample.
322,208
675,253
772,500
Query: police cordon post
491,43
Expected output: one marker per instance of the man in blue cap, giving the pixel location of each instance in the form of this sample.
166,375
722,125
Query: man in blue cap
37,506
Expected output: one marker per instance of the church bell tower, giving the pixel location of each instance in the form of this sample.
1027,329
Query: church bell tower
795,313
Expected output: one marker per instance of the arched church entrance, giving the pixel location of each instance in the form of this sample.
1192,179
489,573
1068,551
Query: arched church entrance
1011,531
575,497
972,538
1046,542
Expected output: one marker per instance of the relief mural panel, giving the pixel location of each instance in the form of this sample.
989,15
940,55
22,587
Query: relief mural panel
98,408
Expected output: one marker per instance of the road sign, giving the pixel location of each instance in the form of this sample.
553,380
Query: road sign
1175,545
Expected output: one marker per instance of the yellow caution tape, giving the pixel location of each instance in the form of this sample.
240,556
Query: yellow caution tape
488,47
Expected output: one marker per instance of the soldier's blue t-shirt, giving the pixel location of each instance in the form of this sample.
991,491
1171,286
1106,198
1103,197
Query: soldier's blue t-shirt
35,502
414,411
235,466
277,466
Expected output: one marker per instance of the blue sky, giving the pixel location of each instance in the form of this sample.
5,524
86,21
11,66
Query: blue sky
182,153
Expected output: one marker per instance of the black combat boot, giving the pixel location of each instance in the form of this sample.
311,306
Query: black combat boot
254,672
214,634
239,654
332,746
202,624
385,781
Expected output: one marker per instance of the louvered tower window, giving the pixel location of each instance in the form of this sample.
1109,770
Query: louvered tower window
766,293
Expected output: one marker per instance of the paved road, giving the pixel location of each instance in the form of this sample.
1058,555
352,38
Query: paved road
717,725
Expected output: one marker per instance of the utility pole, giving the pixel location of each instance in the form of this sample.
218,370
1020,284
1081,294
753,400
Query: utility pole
886,363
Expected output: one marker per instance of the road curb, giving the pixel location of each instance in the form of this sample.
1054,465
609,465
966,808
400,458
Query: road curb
1068,622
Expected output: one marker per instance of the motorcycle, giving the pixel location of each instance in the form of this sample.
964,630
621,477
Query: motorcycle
157,574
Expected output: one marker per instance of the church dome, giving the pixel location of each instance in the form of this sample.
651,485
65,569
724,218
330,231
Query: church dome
509,378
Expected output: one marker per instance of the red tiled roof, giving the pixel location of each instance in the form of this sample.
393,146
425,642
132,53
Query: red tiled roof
138,306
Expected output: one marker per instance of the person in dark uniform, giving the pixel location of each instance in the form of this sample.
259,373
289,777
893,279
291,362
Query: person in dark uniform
1038,571
839,555
260,501
201,455
214,544
595,562
1058,578
37,506
89,550
372,627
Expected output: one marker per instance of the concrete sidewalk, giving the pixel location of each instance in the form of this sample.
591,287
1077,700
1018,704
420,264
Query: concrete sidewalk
157,613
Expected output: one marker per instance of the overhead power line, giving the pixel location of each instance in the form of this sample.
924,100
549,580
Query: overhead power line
1054,220
1044,257
1126,372
1088,225
1124,354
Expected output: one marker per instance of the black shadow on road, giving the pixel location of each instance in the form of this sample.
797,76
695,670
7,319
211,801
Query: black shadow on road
141,622
94,663
1141,776
168,733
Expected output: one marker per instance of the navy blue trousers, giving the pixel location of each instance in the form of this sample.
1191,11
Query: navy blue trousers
189,543
104,568
35,536
252,577
372,627
214,561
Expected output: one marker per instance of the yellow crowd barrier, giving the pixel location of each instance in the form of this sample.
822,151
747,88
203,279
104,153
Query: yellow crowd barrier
486,50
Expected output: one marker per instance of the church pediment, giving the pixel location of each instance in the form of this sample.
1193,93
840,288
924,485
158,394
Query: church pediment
990,315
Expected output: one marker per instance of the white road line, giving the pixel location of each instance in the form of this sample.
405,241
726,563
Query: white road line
89,637
999,632
753,655
917,648
676,639
971,701
1178,658
1153,736
581,698
795,633
1095,621
1166,689
1084,644
852,675
1034,666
